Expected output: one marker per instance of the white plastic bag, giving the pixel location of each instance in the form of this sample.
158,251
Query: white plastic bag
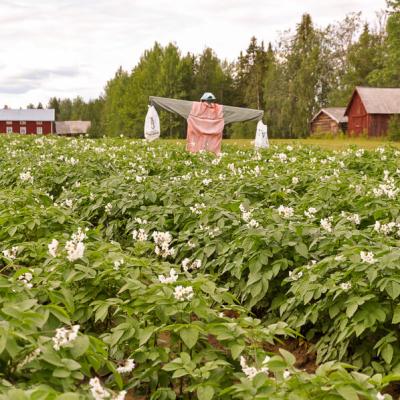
261,141
152,124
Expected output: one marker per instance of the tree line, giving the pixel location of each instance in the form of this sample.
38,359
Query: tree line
306,69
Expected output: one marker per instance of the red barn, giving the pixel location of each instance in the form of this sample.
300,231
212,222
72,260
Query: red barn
370,110
30,121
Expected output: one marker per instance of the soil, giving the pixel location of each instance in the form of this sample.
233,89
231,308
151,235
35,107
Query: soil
302,350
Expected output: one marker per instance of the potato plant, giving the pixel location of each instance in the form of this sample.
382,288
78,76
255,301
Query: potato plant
140,271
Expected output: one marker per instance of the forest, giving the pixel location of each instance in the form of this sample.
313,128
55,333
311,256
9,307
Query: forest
309,67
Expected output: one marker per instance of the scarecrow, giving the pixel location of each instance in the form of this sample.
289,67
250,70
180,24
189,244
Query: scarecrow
206,119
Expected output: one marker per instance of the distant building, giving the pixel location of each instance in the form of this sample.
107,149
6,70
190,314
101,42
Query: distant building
72,128
370,110
30,121
329,120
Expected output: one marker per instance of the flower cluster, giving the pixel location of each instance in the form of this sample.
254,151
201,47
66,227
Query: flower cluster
183,293
108,208
310,212
251,372
100,393
118,263
197,208
26,279
247,217
388,188
354,218
388,228
188,266
285,212
53,246
295,276
163,241
26,176
345,286
75,247
139,235
367,257
11,253
65,336
173,276
128,366
326,224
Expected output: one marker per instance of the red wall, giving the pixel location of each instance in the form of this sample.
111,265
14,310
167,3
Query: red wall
47,127
358,117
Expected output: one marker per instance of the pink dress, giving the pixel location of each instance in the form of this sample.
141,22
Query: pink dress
205,127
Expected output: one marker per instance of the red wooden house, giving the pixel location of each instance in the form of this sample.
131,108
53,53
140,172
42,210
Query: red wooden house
30,121
370,110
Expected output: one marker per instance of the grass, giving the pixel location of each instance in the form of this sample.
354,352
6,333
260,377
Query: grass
333,144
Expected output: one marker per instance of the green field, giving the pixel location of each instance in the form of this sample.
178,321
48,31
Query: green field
131,270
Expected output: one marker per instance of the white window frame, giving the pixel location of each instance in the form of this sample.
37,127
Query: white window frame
22,130
22,122
39,122
9,123
9,129
39,130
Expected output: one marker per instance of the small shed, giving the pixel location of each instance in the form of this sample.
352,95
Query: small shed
329,120
72,128
370,110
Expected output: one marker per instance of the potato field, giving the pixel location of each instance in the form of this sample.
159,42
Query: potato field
140,271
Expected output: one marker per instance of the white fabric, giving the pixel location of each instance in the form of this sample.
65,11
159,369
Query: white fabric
261,140
152,124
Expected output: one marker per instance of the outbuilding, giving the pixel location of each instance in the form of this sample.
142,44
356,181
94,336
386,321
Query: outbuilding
370,109
30,121
329,120
72,128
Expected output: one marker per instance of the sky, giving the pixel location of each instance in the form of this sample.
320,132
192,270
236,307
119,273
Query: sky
66,48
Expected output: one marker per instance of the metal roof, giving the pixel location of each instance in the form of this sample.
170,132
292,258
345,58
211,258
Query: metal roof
72,127
378,100
336,113
30,114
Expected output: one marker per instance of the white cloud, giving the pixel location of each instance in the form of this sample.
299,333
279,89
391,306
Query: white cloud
72,47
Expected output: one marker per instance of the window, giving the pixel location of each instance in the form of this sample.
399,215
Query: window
9,129
39,130
22,122
39,122
9,122
22,130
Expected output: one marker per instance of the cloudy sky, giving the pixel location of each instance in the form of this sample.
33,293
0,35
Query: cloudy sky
66,48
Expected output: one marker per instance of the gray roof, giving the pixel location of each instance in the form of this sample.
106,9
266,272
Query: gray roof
379,100
72,127
29,114
336,113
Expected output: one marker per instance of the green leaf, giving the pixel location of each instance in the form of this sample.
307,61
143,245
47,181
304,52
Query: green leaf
145,334
351,309
179,372
189,336
80,345
348,392
205,392
61,373
302,249
289,357
68,396
396,315
387,353
236,350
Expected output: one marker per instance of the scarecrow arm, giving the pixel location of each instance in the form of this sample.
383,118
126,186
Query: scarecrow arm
180,107
239,114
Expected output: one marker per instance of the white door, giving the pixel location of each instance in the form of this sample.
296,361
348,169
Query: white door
39,130
22,130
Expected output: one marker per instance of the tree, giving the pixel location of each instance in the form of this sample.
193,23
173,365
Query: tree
39,106
54,103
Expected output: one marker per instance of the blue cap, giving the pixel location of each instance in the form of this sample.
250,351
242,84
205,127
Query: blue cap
207,96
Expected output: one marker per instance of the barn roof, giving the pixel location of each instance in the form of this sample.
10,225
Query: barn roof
378,100
336,113
30,114
72,127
